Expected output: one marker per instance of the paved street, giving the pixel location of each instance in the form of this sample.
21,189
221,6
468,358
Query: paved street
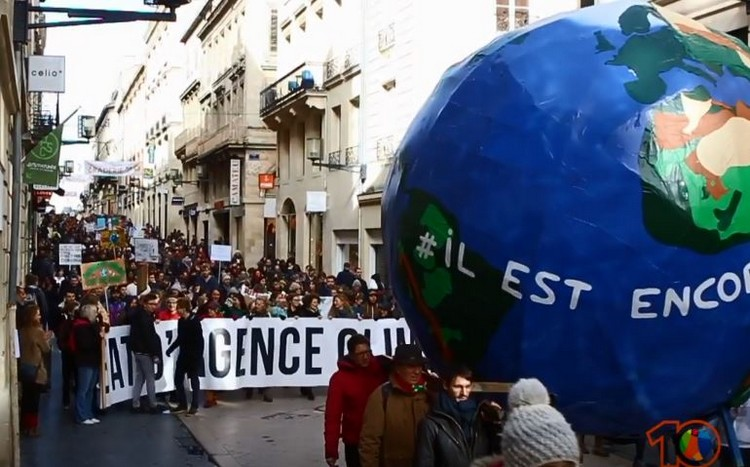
289,431
238,432
121,439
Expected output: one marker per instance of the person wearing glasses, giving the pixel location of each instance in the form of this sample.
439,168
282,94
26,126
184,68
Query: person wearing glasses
145,346
359,374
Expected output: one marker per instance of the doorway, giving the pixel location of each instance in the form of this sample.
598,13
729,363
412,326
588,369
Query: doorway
269,240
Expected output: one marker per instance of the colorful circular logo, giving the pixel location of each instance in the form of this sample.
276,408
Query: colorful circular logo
698,444
48,147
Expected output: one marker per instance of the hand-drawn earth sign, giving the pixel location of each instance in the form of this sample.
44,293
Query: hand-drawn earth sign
588,235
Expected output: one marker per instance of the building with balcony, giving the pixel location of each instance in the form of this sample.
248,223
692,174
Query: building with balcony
224,145
351,77
107,145
131,110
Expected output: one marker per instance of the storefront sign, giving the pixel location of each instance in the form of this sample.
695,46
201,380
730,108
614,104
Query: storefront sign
266,181
235,182
46,74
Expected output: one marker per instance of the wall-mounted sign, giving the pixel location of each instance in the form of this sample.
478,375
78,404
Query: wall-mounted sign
235,182
178,200
266,181
46,73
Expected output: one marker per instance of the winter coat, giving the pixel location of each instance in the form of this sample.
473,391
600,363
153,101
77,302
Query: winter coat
143,337
441,441
494,461
190,342
88,350
348,392
34,347
389,430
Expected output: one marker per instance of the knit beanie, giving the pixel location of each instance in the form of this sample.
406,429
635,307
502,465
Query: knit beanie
535,433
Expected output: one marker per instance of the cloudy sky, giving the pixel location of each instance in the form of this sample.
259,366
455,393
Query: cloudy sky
94,56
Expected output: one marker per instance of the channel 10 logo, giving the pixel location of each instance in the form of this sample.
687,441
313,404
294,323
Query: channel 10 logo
697,443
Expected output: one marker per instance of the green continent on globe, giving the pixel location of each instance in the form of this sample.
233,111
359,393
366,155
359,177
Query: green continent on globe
695,171
460,297
683,44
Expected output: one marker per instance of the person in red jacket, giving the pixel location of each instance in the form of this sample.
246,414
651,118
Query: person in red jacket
359,374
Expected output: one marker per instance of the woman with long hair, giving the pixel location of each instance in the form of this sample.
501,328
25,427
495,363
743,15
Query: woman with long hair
34,343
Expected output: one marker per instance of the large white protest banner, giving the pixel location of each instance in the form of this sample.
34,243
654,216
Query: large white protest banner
263,352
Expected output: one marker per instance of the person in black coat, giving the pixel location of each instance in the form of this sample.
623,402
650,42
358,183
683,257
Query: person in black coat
145,345
458,430
190,359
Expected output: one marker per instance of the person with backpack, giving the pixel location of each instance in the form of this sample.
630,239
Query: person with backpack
349,389
394,412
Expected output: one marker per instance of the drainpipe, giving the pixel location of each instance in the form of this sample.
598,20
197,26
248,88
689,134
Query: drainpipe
15,226
362,150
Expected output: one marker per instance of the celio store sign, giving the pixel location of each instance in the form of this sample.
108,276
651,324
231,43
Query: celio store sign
46,73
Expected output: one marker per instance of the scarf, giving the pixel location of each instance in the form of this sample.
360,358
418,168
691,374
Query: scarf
410,389
463,412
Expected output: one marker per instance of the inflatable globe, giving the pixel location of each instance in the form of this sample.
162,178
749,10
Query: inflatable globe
573,203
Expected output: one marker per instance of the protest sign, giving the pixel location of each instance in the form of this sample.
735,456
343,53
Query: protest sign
103,274
70,254
221,253
263,352
147,250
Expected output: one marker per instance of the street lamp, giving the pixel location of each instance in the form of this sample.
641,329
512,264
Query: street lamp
86,126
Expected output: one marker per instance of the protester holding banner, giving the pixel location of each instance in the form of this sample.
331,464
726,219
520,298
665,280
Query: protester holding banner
145,346
85,342
34,345
190,343
394,411
349,389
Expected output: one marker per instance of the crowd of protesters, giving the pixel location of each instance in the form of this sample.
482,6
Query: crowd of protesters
395,413
185,284
387,411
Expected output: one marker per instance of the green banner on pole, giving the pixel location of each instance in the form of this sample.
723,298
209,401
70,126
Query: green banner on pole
42,163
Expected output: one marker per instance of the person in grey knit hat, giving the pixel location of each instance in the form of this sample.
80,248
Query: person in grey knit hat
535,433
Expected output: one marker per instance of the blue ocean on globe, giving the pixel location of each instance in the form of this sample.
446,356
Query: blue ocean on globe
571,204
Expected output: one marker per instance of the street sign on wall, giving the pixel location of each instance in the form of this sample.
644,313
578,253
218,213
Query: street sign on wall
46,73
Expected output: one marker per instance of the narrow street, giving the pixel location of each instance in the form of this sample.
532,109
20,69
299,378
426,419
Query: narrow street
236,433
288,432
121,439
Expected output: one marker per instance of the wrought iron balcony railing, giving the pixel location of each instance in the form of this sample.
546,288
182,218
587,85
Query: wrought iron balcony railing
304,78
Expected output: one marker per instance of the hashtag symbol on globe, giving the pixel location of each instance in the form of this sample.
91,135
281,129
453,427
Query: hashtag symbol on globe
427,243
